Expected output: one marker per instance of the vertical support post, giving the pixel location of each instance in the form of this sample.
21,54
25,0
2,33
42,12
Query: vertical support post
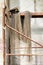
7,33
3,32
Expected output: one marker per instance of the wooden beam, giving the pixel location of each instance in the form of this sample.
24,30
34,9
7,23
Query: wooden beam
35,14
24,54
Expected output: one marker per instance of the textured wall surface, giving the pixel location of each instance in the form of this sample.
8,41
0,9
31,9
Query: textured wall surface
26,5
22,4
14,3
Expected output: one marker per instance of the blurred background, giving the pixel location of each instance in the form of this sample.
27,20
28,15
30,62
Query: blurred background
36,25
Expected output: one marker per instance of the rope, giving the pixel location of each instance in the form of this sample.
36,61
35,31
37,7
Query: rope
23,35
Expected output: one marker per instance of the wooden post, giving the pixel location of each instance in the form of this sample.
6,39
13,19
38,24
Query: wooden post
3,32
7,34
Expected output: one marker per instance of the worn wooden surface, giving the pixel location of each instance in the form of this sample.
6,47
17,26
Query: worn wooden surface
7,33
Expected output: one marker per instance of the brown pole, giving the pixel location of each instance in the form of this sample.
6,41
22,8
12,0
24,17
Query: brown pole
3,32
